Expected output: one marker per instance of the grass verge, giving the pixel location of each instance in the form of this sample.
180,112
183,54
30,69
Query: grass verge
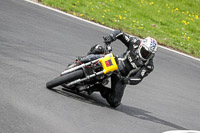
173,23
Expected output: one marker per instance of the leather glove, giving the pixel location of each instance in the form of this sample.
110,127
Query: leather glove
108,39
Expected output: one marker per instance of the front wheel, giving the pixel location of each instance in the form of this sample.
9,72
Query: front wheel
65,79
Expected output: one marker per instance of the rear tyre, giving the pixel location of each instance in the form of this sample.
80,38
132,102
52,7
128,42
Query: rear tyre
65,79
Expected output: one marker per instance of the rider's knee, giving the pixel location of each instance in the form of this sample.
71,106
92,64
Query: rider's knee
114,101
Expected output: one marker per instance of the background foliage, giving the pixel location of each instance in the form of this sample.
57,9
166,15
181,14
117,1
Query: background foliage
173,23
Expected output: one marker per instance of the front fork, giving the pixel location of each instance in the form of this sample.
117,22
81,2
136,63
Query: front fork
83,67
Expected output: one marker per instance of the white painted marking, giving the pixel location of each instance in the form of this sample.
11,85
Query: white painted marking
179,53
182,131
64,13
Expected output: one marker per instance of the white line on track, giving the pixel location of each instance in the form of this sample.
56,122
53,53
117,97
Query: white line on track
64,13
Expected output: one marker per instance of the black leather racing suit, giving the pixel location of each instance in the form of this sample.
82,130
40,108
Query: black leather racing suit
132,69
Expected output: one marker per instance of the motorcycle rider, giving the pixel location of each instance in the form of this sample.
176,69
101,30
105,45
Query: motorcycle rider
133,65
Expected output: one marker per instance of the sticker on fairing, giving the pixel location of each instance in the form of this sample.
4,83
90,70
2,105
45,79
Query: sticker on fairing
108,63
153,44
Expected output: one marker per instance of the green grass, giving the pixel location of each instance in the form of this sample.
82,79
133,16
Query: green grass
173,23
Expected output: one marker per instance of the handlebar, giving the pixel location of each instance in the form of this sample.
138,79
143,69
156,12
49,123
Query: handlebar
108,47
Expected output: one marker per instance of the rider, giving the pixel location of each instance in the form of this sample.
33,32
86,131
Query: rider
135,64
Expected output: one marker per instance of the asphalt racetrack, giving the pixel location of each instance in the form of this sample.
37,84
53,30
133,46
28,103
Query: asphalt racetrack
36,44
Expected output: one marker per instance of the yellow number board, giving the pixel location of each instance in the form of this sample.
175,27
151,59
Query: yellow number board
109,64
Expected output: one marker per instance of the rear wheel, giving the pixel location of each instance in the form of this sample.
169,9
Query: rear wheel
65,79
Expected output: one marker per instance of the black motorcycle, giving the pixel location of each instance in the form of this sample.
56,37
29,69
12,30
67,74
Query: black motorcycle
82,77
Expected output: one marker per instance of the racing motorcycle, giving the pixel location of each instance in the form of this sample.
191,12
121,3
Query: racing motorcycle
83,77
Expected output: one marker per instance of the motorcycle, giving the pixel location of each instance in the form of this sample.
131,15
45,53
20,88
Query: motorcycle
83,77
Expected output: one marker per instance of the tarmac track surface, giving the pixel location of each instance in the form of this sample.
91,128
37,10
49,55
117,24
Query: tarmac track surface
36,44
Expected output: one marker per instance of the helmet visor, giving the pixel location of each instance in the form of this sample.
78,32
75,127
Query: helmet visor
145,53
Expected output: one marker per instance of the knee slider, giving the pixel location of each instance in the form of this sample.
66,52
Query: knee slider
114,102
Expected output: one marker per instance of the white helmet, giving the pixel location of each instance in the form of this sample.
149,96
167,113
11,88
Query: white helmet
147,48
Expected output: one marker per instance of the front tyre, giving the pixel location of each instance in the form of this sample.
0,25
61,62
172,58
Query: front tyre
65,79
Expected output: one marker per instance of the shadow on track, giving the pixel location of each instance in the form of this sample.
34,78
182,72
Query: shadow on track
145,115
96,99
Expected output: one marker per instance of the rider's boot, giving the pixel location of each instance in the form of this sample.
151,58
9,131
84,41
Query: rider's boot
92,89
104,91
